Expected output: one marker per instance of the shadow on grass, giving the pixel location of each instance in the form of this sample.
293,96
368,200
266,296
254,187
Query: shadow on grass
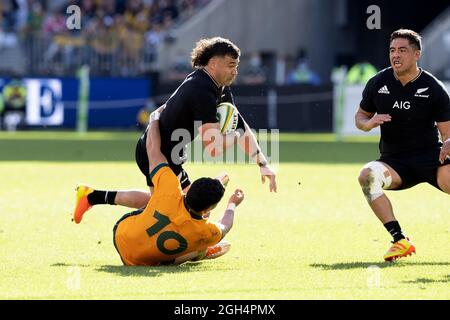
143,271
147,271
62,264
446,279
365,265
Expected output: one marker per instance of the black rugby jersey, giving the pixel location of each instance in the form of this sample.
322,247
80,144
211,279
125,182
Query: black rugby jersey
415,108
193,104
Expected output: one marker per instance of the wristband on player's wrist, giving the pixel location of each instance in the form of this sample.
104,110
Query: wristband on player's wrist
256,153
262,164
154,116
231,206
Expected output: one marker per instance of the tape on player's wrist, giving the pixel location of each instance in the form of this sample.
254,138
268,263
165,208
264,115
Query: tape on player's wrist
154,116
231,206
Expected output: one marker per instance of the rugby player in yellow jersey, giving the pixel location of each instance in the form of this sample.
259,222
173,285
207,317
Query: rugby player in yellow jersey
171,229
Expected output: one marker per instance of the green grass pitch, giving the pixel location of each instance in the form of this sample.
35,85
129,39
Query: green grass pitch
314,239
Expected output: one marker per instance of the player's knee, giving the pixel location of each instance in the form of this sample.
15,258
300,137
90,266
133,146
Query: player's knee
364,177
443,180
373,178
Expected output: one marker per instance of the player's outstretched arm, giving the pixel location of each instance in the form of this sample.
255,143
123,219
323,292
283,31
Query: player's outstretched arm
153,116
226,222
366,121
250,146
155,157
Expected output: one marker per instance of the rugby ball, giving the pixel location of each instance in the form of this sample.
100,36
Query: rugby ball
228,117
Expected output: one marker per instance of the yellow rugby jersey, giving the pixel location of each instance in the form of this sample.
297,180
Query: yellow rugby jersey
165,230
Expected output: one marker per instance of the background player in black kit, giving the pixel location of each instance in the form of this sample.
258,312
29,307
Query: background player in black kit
191,110
412,108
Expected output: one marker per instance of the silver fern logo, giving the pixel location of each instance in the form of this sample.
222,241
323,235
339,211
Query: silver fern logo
420,91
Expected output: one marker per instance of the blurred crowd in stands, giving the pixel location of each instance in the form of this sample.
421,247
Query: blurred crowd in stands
113,32
121,38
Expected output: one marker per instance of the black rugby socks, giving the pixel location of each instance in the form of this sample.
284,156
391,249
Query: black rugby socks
102,197
393,227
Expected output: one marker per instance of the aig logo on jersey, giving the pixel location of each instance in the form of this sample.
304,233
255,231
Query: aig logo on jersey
402,105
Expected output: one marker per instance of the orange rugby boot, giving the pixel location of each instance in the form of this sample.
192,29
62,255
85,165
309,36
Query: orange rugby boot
400,249
81,202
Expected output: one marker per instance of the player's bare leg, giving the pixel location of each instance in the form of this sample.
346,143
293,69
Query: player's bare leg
443,178
373,178
132,198
381,206
136,198
86,197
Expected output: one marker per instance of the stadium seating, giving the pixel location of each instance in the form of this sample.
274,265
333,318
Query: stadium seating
116,37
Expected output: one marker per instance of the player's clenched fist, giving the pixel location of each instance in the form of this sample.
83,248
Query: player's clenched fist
237,197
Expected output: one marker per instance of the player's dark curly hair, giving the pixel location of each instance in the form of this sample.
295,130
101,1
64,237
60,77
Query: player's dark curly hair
204,193
205,49
413,37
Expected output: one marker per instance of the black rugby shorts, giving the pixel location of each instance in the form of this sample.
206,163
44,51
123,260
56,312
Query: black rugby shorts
142,162
415,167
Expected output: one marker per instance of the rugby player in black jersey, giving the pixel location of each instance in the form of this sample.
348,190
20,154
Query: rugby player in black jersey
191,110
412,109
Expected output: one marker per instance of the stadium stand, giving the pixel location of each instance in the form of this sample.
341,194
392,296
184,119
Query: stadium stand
436,43
116,38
